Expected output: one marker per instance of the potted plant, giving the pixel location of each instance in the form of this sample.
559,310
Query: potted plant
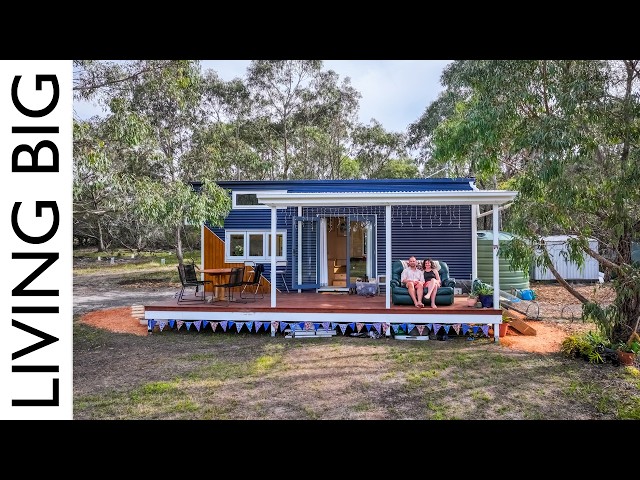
503,328
627,351
485,295
472,299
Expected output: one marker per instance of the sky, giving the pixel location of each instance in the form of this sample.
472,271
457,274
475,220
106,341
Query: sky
394,92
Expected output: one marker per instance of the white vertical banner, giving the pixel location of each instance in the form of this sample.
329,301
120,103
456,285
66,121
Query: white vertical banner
36,336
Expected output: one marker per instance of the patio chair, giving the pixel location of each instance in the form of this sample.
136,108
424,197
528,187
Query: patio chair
236,278
281,269
190,280
254,282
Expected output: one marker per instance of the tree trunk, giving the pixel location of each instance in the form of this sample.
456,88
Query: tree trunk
561,280
179,245
101,247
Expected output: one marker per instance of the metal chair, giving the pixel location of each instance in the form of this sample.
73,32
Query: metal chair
235,280
188,281
281,269
254,282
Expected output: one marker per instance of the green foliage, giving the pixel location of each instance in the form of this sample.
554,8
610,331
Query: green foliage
583,345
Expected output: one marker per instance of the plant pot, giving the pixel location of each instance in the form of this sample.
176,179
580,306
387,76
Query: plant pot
486,300
471,301
503,328
626,358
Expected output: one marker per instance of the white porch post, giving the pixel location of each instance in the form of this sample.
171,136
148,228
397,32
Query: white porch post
387,268
496,267
474,242
274,224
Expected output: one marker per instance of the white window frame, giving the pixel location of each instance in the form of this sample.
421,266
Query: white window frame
235,205
228,258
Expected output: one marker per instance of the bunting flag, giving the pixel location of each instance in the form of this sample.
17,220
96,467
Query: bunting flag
172,323
385,327
230,323
213,326
180,323
474,329
309,326
465,328
430,326
456,328
274,326
188,325
410,326
197,323
342,327
301,325
352,325
205,323
420,329
161,325
446,329
395,327
334,325
325,325
485,330
239,326
150,324
378,327
258,326
283,326
250,326
436,327
359,327
223,324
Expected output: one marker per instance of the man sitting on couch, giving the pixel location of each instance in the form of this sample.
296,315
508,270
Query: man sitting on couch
413,279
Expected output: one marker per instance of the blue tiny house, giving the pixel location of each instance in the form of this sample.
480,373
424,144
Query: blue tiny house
332,232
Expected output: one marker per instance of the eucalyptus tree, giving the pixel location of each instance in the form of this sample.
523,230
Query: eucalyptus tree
154,108
373,148
565,134
281,90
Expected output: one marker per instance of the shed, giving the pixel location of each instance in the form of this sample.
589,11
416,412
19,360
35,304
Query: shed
557,244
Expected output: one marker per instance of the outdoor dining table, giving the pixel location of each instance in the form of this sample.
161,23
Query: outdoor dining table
218,293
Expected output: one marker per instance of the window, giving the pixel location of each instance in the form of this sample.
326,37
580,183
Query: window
253,245
248,199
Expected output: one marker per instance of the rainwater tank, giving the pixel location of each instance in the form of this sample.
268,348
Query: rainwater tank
509,278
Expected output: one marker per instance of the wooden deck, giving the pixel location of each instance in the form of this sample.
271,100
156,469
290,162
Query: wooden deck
323,307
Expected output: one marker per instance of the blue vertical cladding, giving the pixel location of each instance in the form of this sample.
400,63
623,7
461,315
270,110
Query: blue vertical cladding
440,232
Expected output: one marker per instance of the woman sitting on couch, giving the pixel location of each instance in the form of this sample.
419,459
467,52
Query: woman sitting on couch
432,280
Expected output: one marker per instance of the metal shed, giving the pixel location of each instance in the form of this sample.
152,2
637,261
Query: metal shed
557,244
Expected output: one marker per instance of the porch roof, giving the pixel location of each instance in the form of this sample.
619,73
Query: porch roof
439,197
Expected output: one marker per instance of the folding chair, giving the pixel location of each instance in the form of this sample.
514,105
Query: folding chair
281,269
254,282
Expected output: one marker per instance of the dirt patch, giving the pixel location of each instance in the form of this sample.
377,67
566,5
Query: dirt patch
119,320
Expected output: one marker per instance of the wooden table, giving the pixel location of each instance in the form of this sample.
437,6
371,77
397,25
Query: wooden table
218,293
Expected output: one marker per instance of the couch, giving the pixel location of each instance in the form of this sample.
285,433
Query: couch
400,293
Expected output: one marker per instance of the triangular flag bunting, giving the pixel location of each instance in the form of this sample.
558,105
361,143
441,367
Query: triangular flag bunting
283,326
250,326
205,323
410,326
436,327
430,326
352,325
172,323
188,325
359,327
275,326
485,330
342,327
420,329
465,328
223,324
197,323
456,327
239,326
150,324
258,326
385,327
378,327
395,327
161,325
474,329
447,328
214,325
180,323
308,325
325,325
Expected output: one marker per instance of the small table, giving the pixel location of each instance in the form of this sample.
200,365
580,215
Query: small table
218,293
